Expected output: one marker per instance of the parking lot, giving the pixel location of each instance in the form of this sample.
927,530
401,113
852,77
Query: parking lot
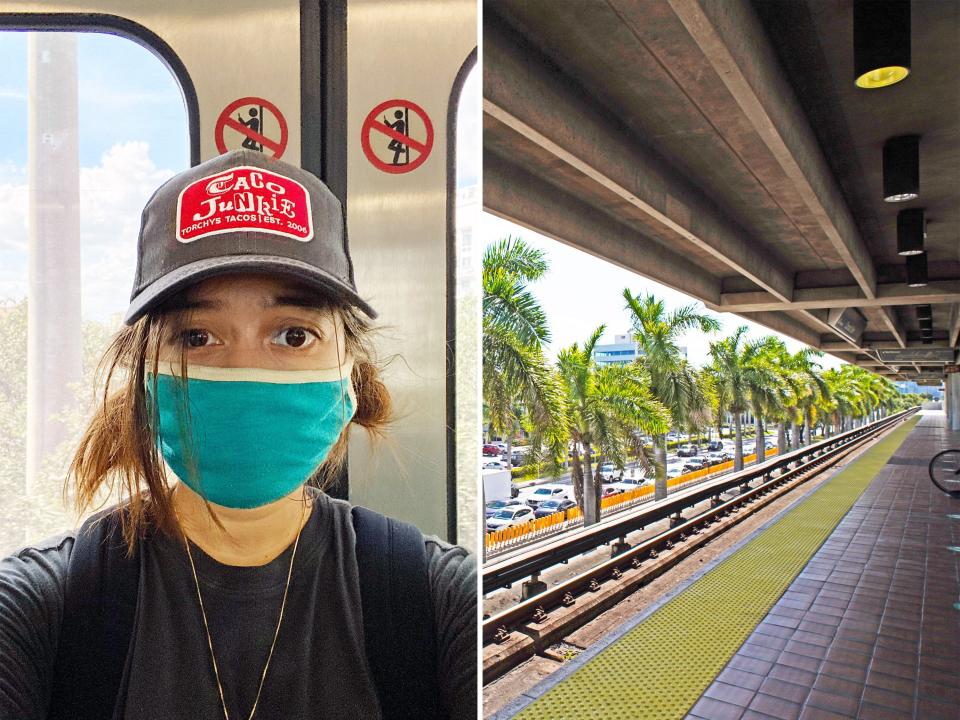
531,499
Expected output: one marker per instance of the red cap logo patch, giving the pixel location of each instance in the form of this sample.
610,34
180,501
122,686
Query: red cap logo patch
244,199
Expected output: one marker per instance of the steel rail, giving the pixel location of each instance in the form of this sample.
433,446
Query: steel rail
534,562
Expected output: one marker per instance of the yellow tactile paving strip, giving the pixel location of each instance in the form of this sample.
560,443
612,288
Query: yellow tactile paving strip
661,667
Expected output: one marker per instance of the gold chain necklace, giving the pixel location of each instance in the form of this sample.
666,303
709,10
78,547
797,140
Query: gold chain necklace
276,633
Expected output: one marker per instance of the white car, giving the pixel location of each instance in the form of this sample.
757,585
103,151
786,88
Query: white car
494,464
675,467
495,506
508,517
696,463
715,458
609,472
629,483
539,494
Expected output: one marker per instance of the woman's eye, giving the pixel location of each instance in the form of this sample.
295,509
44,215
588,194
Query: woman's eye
295,337
196,337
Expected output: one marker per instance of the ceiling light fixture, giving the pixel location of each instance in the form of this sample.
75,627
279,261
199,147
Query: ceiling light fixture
911,231
924,312
881,42
901,168
917,270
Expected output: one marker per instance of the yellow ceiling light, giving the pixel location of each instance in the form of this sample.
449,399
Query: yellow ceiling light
881,77
881,42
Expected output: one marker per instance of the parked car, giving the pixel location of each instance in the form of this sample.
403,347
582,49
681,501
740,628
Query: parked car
609,472
629,483
507,517
695,463
714,446
688,450
540,494
520,457
495,506
549,507
491,451
495,464
610,490
675,467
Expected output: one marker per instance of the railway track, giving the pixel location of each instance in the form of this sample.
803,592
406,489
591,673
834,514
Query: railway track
545,616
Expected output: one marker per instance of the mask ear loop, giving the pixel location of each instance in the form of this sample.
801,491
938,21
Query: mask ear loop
343,404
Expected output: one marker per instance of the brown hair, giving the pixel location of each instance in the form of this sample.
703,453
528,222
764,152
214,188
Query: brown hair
118,453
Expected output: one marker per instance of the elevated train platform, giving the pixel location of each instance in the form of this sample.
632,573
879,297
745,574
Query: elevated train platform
846,605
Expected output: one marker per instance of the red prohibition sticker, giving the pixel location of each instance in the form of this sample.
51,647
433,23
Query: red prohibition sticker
252,123
244,199
397,136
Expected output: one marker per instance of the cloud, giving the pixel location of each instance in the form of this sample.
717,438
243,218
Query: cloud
112,196
13,216
12,94
113,193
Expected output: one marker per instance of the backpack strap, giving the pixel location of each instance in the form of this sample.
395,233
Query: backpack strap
99,606
398,620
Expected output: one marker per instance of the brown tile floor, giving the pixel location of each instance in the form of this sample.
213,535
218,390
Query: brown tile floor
868,629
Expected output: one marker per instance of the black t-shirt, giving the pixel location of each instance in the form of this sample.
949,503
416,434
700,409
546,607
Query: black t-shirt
318,669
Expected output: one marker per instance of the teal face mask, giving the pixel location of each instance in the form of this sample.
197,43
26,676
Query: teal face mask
256,435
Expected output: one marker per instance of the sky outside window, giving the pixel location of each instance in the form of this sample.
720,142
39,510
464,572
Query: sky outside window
132,137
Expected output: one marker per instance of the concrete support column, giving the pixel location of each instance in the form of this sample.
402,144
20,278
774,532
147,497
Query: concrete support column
953,393
54,343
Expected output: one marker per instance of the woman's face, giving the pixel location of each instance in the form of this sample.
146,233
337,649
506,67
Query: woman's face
255,321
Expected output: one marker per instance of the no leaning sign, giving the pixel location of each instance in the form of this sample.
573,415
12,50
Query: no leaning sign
397,136
252,123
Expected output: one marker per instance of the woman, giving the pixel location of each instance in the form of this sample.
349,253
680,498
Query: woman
224,584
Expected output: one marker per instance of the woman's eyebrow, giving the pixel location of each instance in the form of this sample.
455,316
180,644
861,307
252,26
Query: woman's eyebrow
300,301
180,304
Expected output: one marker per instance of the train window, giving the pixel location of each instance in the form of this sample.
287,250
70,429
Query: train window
467,318
93,123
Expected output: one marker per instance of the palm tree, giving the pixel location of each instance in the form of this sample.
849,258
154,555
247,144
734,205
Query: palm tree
606,406
673,382
730,386
764,385
850,396
516,376
745,377
801,376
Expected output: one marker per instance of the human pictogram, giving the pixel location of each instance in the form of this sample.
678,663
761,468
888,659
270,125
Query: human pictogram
397,136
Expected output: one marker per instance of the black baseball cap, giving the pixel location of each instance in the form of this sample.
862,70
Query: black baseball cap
241,212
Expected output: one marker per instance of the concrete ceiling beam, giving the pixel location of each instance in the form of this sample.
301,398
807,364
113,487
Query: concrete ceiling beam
894,325
734,42
516,195
786,325
837,347
935,293
525,94
953,335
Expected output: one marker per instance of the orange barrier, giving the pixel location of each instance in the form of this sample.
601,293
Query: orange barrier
539,525
550,522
